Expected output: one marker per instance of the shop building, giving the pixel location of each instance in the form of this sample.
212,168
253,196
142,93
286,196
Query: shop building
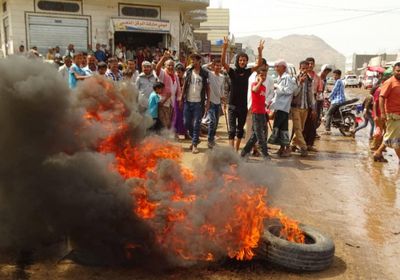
50,23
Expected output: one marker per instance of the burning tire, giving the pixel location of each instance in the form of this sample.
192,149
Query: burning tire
315,255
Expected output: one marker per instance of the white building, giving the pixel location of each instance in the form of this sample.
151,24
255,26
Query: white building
50,23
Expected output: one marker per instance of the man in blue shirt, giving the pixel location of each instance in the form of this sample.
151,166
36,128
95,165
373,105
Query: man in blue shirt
336,97
99,54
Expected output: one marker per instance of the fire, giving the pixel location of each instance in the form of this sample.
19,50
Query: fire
170,197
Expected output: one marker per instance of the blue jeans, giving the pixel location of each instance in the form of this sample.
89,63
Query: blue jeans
259,127
367,119
192,118
213,115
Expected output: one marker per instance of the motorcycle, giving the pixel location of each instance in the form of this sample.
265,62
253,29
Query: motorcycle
344,118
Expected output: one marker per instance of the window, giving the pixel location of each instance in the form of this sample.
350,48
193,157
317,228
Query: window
4,7
140,11
66,7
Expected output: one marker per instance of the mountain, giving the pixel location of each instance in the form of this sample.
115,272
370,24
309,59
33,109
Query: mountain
295,48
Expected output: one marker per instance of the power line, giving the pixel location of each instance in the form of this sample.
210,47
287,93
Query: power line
319,24
325,7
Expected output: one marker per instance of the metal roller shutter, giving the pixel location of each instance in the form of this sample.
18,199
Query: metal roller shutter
45,32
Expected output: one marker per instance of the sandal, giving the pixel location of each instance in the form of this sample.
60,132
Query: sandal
379,159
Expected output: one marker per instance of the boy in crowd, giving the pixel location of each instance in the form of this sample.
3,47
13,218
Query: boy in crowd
154,103
258,95
217,80
76,73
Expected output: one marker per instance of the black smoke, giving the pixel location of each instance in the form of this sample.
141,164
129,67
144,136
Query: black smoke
52,183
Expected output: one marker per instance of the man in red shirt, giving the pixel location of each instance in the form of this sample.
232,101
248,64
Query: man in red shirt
389,102
258,93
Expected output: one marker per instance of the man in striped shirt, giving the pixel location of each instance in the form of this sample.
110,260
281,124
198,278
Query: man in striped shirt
336,97
113,72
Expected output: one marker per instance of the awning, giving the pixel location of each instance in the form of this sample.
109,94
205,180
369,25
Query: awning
140,25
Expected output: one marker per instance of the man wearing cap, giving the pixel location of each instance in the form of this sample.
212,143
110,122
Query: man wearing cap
285,87
144,84
102,68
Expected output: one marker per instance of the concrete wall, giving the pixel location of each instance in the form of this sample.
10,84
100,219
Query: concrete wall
100,11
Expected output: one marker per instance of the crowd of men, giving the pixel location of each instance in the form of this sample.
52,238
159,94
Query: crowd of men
179,95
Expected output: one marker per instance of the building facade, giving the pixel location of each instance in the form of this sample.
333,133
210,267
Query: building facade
84,23
214,29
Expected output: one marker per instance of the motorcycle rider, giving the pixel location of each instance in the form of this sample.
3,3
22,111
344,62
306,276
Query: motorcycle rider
337,98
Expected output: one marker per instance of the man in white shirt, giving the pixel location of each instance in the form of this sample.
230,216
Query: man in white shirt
91,68
64,70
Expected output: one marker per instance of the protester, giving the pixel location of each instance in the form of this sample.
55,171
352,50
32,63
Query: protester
64,70
195,99
155,101
303,103
312,121
70,51
102,68
91,68
50,54
131,65
177,120
337,98
99,54
258,94
367,113
144,84
380,126
269,85
21,50
389,102
237,110
284,90
57,53
216,79
172,89
113,71
325,70
76,72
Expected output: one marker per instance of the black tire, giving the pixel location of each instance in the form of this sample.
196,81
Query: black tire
349,125
315,255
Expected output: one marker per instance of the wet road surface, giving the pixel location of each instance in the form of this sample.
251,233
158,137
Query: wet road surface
338,190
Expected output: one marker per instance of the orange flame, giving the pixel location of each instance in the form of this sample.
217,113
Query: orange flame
236,233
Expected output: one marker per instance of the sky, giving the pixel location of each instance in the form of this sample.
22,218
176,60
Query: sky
349,26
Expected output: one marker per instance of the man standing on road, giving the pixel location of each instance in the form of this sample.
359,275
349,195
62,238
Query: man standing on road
196,92
217,81
389,102
284,90
303,101
237,110
113,72
312,122
337,98
64,70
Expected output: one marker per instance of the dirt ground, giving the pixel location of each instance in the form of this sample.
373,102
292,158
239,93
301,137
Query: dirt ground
338,190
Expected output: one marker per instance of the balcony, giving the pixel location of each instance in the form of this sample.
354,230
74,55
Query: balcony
194,4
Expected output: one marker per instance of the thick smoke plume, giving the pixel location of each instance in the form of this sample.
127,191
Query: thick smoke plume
79,164
52,183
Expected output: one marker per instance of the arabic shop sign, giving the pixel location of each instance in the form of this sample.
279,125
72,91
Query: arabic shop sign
141,25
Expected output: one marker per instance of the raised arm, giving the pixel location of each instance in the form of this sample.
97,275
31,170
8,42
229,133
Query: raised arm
223,54
164,58
259,57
